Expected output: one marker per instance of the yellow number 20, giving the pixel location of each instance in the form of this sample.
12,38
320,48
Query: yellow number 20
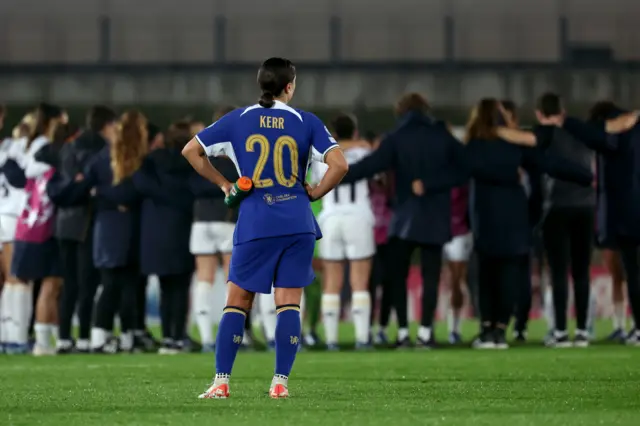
278,154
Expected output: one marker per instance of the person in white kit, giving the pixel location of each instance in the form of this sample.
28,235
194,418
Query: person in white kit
458,251
16,298
347,223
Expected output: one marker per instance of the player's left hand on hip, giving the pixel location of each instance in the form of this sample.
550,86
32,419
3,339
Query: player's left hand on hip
309,190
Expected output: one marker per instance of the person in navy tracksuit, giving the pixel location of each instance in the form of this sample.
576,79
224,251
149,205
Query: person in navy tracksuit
617,141
116,232
166,215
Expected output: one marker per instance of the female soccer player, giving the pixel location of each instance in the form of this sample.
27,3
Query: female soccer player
16,298
35,255
276,230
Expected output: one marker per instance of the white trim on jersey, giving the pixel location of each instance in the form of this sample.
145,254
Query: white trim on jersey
277,105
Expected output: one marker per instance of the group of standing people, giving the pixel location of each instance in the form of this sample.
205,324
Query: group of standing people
104,208
514,185
117,202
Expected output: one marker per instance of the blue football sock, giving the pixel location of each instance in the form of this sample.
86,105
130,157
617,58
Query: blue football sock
229,338
288,329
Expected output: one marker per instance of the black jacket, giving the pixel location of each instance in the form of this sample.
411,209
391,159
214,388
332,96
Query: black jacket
420,147
73,223
116,233
500,210
166,213
618,178
559,194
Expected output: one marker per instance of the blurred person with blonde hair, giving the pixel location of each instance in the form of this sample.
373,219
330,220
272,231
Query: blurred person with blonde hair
116,234
35,255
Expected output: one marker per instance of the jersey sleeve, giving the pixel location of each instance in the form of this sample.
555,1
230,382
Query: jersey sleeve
217,136
321,140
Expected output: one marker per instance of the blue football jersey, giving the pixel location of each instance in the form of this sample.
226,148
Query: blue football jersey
274,147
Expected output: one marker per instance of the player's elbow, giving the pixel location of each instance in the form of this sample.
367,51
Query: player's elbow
191,149
336,161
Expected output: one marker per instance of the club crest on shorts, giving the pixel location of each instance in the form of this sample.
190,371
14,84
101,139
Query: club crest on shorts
268,198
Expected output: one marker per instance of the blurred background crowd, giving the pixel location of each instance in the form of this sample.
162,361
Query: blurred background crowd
165,72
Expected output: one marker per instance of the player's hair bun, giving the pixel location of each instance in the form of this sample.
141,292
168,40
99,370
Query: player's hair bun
267,99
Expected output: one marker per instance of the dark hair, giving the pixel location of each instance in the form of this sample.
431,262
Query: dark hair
66,133
344,126
484,119
549,104
412,102
604,110
370,136
152,131
100,116
178,134
45,114
273,77
510,107
3,110
222,111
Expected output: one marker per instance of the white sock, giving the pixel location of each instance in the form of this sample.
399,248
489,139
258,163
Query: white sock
403,333
6,320
424,333
330,307
202,301
22,309
548,308
361,312
98,337
453,320
268,316
126,341
591,313
619,316
43,335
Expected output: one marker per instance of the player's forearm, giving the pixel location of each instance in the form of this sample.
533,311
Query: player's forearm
194,153
203,166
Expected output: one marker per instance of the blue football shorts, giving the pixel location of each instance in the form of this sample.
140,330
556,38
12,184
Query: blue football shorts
283,261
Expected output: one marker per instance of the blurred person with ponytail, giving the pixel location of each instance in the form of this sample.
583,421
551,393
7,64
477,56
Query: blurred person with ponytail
35,255
143,338
166,214
116,232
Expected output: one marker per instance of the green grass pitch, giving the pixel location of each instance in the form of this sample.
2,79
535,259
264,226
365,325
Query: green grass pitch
528,385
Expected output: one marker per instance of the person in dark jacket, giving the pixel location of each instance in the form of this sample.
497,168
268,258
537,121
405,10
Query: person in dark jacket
567,229
212,240
423,155
116,231
617,140
503,235
74,230
604,232
166,212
